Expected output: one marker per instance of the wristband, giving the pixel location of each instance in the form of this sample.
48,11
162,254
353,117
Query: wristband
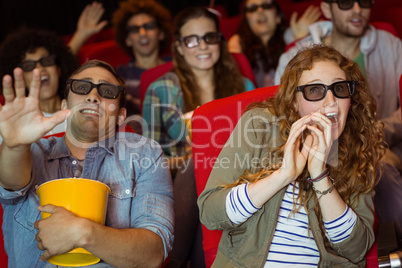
320,177
329,190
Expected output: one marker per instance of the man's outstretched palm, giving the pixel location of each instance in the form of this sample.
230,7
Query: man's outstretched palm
21,120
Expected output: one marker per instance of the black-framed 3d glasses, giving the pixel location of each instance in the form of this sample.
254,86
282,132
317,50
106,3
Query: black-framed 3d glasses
254,7
147,27
348,4
317,92
194,40
84,87
29,65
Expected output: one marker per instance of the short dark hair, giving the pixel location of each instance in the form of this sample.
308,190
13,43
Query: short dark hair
107,67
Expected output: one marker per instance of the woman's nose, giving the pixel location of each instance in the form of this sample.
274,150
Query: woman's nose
203,44
329,99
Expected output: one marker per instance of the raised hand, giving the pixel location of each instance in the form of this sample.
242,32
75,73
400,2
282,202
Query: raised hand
21,120
321,136
88,22
316,145
294,159
300,27
87,25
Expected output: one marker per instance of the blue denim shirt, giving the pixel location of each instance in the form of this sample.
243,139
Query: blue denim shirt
132,166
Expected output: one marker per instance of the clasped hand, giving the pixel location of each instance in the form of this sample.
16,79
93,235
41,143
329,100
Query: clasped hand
313,133
21,120
58,233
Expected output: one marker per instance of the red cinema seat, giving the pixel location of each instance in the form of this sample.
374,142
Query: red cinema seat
108,51
105,34
3,255
229,26
212,125
391,15
400,92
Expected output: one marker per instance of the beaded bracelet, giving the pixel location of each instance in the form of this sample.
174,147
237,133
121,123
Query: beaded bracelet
329,190
320,177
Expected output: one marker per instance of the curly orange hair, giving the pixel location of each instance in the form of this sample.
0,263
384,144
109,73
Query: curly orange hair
361,144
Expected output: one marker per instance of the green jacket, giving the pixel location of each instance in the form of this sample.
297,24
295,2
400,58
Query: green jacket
247,244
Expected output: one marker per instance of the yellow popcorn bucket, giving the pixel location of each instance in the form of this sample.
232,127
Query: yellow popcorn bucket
85,198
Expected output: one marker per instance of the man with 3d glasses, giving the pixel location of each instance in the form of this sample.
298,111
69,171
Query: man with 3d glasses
138,231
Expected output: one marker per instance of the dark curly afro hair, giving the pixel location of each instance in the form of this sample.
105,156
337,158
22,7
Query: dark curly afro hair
154,9
17,44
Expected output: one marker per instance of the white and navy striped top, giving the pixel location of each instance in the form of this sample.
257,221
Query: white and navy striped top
292,244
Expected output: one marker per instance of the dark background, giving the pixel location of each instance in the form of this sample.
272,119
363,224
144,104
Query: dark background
61,15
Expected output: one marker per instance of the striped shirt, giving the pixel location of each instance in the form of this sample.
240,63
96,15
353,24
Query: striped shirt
293,243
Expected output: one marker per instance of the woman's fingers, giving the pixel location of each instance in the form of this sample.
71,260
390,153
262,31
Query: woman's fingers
35,84
292,155
319,117
8,90
19,89
326,124
307,144
319,139
19,83
295,133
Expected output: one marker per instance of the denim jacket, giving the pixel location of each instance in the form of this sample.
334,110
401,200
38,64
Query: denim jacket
132,166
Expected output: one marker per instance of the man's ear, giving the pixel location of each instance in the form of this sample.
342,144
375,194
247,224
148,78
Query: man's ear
64,104
326,10
121,116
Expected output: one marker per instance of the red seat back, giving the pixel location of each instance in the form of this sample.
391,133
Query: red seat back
229,25
212,125
386,26
3,255
108,51
400,92
105,34
389,14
